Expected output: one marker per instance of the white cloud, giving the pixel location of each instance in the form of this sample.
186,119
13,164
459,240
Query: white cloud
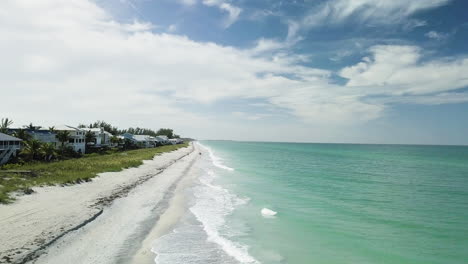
414,23
250,116
336,12
233,11
398,70
436,35
378,11
341,54
172,28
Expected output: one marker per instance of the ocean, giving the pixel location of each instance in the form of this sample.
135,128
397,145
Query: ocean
335,203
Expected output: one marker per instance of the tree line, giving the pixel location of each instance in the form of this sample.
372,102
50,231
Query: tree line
34,149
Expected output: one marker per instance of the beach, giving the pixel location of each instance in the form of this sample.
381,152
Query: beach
103,221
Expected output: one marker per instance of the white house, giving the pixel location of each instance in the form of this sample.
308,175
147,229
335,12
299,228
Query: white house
162,140
76,139
102,137
175,141
145,141
9,146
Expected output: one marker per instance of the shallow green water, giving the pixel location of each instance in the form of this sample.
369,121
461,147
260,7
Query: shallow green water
343,203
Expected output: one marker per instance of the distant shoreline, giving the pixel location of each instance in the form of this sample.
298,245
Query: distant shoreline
332,143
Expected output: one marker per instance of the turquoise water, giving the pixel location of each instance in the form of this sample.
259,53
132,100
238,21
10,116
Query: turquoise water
338,203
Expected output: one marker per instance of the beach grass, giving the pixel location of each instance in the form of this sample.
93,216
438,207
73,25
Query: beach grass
20,178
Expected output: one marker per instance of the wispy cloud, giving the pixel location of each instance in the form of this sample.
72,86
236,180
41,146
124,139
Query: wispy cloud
233,11
436,35
369,12
398,70
172,28
250,116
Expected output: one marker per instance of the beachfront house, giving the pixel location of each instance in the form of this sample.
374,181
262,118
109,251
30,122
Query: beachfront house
9,147
127,136
128,139
145,141
43,135
76,139
102,138
175,141
162,140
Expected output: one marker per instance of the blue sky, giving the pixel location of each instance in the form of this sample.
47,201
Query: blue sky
361,71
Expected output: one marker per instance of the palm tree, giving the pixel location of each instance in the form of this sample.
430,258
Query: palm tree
63,137
48,150
22,134
115,140
32,149
52,129
89,137
5,123
32,127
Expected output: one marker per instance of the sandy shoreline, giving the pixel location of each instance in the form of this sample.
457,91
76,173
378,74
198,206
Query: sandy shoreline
87,223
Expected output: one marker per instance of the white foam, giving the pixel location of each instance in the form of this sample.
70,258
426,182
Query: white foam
213,204
268,213
217,161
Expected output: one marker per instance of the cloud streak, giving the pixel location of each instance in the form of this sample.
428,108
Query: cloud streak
368,12
233,11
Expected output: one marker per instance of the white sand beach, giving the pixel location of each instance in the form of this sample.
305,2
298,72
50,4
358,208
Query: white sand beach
112,219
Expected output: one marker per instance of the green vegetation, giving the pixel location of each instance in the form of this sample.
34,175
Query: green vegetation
4,124
17,177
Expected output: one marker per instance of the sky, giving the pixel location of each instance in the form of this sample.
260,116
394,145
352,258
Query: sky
339,71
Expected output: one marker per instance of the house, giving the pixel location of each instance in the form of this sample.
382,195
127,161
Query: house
145,141
9,147
162,140
127,136
102,138
44,135
175,141
76,139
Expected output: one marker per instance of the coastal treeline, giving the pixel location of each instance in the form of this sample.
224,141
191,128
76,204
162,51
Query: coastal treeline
34,149
132,130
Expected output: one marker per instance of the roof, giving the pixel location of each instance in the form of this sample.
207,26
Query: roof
66,128
143,137
94,129
5,137
40,132
162,137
